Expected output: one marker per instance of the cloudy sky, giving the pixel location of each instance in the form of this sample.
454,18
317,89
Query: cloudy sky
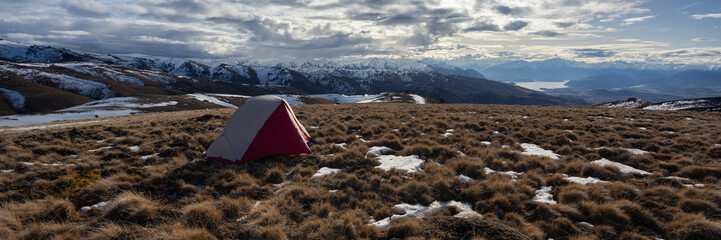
665,31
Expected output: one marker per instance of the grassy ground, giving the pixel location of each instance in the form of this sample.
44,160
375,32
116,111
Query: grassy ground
157,186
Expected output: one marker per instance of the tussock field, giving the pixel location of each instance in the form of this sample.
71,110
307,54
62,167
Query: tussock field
447,172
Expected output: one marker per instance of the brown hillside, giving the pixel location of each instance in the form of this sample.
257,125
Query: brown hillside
39,97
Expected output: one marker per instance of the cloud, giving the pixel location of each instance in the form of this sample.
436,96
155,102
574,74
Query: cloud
505,10
703,39
260,29
547,33
365,16
303,29
419,38
85,8
593,53
564,24
482,27
710,15
400,19
515,25
630,21
692,53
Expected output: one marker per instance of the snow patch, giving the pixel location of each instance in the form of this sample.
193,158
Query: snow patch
534,150
544,195
16,100
466,178
584,181
110,107
585,224
636,151
407,164
622,167
378,150
146,157
118,102
448,133
208,98
291,99
100,206
418,99
342,98
419,211
604,117
325,171
100,149
45,126
512,174
29,164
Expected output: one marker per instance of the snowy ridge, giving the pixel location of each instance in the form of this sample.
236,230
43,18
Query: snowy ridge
210,98
125,76
83,87
630,103
701,104
705,104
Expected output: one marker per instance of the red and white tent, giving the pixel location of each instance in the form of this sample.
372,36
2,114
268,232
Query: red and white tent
263,126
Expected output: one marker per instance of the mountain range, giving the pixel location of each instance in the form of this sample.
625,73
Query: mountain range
605,81
50,78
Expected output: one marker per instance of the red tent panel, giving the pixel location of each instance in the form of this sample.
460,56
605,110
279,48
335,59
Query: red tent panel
279,135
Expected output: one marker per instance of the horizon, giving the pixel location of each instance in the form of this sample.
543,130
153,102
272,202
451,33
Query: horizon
638,32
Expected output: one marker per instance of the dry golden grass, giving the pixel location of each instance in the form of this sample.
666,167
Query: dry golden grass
150,168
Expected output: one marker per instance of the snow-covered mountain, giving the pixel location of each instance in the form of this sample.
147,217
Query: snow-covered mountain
99,76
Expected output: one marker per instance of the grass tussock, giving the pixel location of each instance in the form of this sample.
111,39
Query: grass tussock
133,208
202,215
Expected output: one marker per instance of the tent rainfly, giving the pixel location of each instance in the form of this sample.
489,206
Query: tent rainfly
263,126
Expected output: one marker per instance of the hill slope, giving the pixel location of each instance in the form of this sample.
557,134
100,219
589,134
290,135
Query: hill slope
697,104
379,171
